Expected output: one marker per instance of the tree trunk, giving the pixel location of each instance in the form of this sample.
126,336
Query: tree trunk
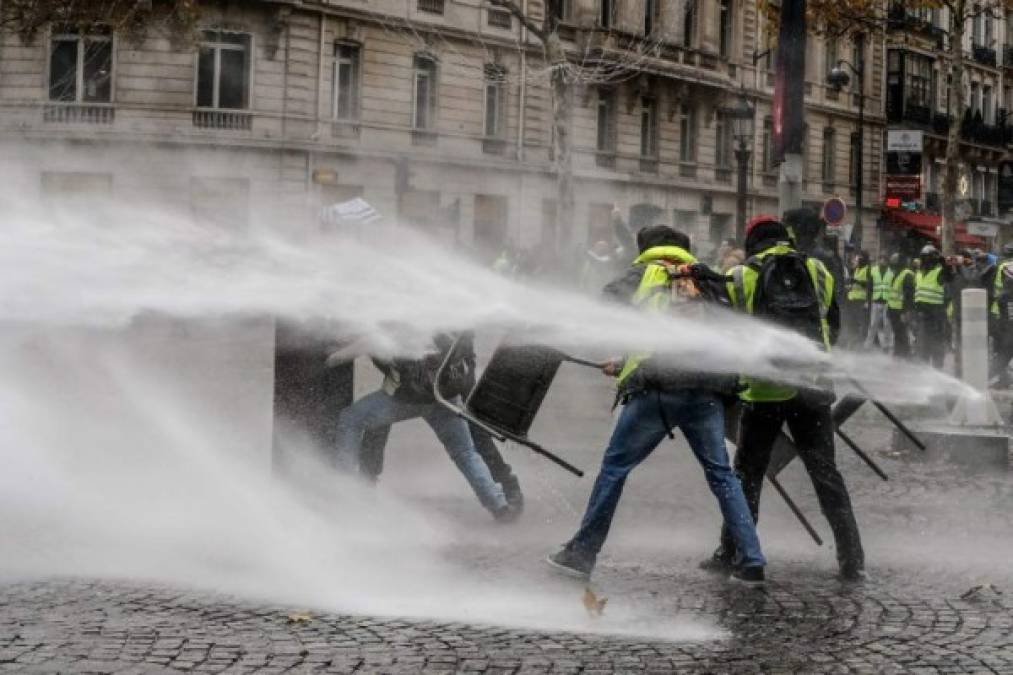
951,175
565,235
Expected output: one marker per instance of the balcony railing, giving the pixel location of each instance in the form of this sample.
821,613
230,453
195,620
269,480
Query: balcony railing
984,55
226,120
78,113
921,114
900,19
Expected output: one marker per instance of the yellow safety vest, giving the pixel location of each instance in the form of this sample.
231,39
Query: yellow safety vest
998,286
881,283
858,291
653,294
896,300
928,289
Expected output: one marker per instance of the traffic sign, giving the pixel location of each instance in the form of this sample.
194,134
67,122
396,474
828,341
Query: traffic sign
834,210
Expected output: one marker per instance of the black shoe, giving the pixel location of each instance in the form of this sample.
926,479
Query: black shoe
506,514
512,491
718,563
853,574
571,563
748,576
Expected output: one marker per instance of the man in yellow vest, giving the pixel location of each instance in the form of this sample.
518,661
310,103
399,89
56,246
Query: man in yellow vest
857,302
900,304
657,396
804,302
930,306
1002,316
880,279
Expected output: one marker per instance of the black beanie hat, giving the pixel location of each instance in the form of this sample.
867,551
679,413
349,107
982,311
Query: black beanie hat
661,235
766,231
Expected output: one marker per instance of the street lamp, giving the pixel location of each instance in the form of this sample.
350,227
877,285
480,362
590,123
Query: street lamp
838,78
743,117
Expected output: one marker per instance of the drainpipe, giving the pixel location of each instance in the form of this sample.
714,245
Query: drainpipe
522,116
320,72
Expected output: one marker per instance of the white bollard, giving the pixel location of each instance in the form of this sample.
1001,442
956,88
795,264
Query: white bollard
979,410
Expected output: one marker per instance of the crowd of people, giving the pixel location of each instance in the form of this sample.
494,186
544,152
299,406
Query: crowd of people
911,307
788,272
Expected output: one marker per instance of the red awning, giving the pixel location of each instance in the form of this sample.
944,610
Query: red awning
927,225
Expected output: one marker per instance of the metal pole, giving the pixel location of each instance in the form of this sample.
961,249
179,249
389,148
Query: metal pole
741,154
856,236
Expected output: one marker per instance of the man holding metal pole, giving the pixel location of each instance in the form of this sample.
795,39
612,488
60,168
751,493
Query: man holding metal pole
785,287
658,396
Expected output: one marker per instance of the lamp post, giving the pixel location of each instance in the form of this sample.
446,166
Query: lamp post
743,116
839,78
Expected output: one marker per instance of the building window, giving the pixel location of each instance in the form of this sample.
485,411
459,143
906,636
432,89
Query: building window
856,149
832,53
725,28
500,18
81,66
689,24
768,145
495,78
561,10
919,80
987,105
346,82
424,113
857,59
648,128
723,141
432,6
687,133
606,13
652,16
223,70
829,158
606,120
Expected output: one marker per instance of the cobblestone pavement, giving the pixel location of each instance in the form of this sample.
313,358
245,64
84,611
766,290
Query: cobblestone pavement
939,545
807,626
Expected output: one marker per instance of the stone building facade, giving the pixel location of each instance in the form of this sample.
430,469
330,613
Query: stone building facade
434,110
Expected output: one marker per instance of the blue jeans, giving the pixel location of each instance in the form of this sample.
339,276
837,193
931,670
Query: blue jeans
380,409
642,426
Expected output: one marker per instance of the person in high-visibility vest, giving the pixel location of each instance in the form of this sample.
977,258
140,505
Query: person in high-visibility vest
768,406
657,396
900,304
880,280
1002,316
856,302
930,306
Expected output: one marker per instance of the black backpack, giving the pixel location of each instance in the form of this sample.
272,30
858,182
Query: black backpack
786,295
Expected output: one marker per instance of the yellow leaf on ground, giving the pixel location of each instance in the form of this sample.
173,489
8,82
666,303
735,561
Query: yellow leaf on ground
299,617
594,605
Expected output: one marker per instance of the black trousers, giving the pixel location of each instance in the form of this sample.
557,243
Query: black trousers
374,443
812,428
901,334
855,323
932,334
1003,341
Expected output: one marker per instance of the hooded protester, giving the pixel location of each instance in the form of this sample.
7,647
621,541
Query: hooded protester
784,287
599,268
407,393
658,395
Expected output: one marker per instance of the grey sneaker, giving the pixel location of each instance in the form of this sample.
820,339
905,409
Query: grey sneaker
512,491
571,563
